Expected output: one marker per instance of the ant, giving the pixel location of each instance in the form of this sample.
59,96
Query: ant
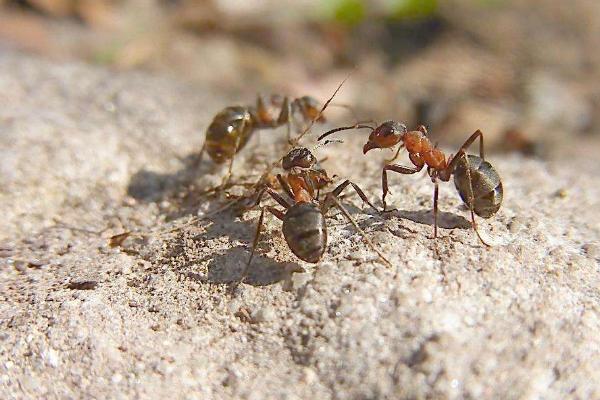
233,126
475,179
304,223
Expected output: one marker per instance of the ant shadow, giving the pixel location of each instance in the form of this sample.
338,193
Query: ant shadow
228,268
148,186
224,266
445,220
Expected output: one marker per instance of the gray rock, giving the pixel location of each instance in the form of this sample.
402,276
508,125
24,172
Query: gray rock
452,319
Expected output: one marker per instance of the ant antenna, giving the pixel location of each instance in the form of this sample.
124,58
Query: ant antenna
359,125
327,142
312,122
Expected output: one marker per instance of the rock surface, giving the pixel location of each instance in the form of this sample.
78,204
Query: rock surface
89,153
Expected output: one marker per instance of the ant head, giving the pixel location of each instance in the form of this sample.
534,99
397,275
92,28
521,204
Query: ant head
310,108
385,136
299,157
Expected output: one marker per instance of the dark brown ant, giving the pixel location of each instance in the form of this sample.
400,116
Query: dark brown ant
476,180
304,226
233,126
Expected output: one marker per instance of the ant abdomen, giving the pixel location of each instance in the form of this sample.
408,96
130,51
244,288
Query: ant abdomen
486,184
228,132
305,231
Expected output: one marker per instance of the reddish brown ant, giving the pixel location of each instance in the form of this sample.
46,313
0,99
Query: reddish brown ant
233,126
476,181
304,226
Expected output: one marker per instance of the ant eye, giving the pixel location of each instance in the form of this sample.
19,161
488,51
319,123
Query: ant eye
391,128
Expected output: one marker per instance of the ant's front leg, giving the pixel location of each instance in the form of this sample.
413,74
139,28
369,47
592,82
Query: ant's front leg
396,168
391,160
336,192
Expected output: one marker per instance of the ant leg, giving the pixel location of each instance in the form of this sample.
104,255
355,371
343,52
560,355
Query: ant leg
462,152
336,192
285,117
391,160
285,186
396,168
333,198
288,118
263,116
282,202
259,225
279,214
472,203
470,141
227,176
435,207
450,168
254,243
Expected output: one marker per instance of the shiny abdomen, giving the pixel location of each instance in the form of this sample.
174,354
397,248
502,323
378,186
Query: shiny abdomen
228,133
486,184
305,231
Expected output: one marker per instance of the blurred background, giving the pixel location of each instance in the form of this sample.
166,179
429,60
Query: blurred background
527,72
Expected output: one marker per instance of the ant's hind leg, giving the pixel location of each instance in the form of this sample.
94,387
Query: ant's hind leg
471,204
470,140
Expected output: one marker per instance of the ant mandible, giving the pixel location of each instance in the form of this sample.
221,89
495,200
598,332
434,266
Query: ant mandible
476,180
304,223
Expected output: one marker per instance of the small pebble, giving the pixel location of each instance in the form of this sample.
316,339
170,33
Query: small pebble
20,266
561,193
35,263
82,284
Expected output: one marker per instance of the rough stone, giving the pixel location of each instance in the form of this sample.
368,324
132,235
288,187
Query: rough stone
451,319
